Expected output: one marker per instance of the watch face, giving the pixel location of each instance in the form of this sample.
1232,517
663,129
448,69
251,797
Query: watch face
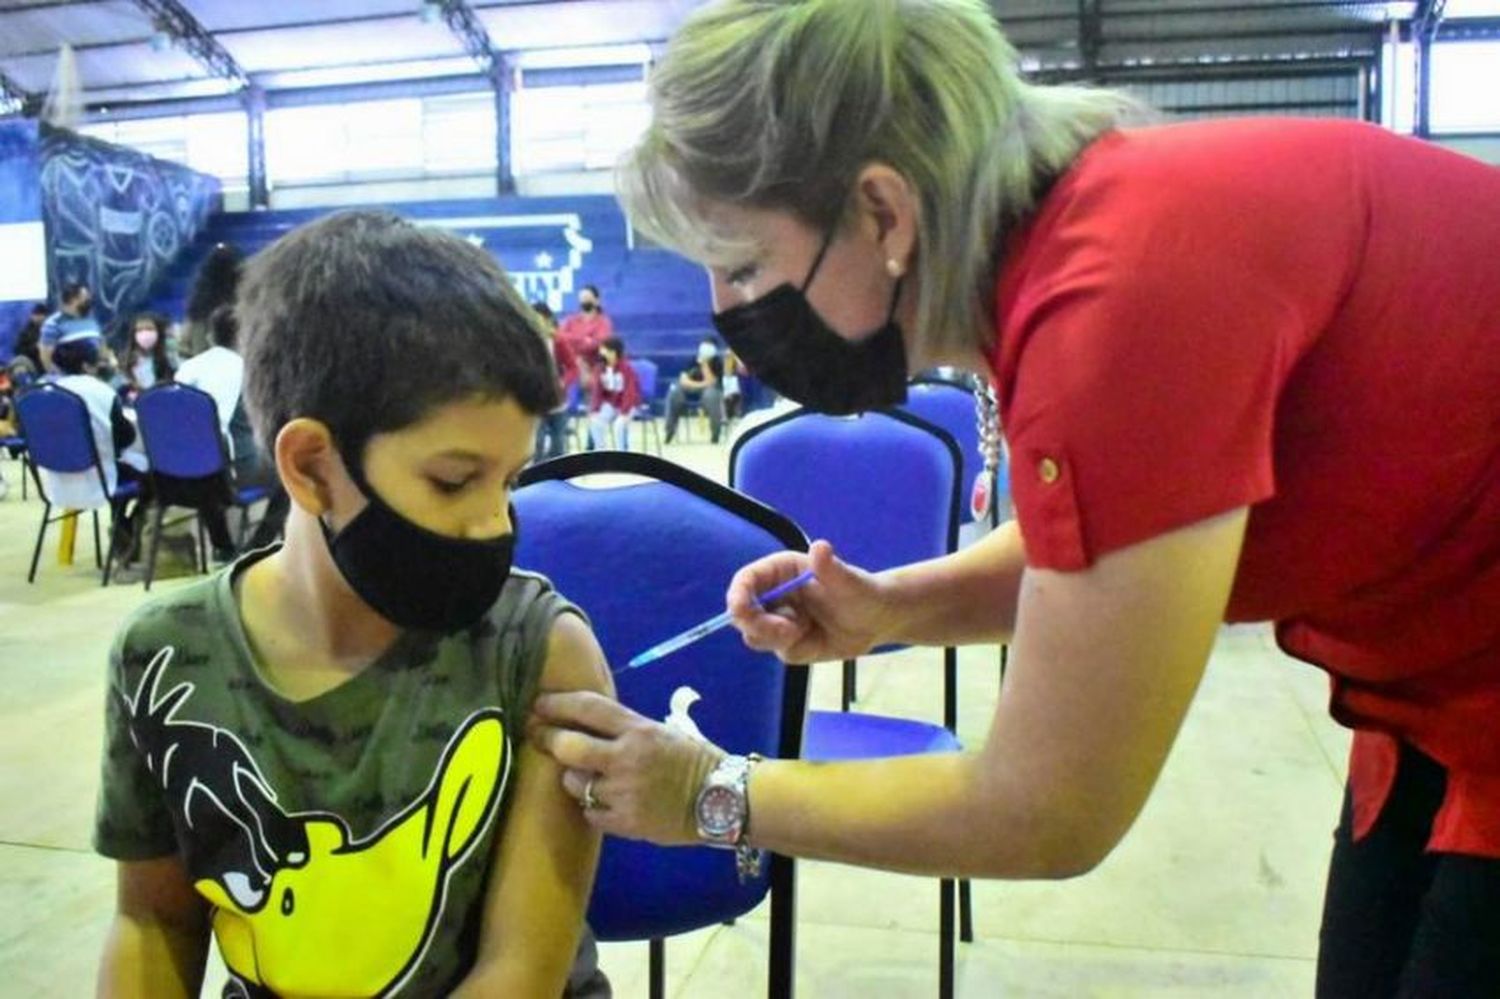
718,811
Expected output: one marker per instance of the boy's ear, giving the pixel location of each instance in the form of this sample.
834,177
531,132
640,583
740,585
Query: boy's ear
306,460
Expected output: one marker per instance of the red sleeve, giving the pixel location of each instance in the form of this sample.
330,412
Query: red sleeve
631,395
1141,358
567,362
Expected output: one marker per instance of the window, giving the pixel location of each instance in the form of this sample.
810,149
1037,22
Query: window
583,127
1466,86
215,144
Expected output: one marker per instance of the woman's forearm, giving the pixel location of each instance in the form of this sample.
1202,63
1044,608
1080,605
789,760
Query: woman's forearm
937,814
967,598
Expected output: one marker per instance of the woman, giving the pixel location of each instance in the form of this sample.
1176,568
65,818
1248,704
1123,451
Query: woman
1246,372
147,362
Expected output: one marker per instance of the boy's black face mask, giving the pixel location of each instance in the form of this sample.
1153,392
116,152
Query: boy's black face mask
787,345
416,578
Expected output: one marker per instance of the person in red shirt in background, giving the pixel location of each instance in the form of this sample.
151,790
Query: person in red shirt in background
586,330
552,429
1247,370
613,396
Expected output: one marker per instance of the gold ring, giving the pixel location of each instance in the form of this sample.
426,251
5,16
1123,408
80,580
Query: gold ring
589,802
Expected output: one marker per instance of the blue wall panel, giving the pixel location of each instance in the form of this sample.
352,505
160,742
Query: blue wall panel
117,218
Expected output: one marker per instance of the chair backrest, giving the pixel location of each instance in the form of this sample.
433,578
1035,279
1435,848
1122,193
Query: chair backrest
882,486
179,425
951,406
646,560
55,423
646,370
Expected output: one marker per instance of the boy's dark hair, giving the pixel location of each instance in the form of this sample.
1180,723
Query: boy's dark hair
73,356
40,309
224,328
72,290
366,322
615,344
544,310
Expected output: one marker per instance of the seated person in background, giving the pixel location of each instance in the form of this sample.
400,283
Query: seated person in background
318,754
705,379
586,330
146,361
613,396
77,362
552,431
72,323
29,337
734,397
220,371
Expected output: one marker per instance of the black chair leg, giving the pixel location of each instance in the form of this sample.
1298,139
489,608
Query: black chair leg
851,692
658,969
155,544
1004,661
781,982
41,535
950,689
98,557
945,940
965,912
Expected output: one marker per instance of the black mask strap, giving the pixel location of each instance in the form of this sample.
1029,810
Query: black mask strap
818,260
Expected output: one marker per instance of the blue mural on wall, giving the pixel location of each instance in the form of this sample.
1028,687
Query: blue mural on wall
20,209
117,218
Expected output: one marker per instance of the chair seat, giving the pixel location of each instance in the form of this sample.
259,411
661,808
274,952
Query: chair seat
126,490
250,494
848,735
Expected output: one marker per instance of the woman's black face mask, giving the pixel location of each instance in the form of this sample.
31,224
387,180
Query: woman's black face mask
787,345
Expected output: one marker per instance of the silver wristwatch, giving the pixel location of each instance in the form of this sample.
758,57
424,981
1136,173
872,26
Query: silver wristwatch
722,811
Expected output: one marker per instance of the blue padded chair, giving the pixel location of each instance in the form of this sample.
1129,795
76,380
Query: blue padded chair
649,413
950,405
60,438
675,541
189,460
884,488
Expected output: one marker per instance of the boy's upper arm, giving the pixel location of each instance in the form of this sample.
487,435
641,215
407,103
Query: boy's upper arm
546,853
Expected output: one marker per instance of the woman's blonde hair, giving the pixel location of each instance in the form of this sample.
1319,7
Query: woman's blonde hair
778,104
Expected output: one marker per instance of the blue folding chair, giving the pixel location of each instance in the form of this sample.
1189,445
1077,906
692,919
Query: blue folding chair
59,438
950,405
884,488
649,412
189,462
680,538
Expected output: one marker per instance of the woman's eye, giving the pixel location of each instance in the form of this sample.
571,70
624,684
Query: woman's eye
742,275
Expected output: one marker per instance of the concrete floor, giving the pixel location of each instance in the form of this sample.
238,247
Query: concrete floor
1215,892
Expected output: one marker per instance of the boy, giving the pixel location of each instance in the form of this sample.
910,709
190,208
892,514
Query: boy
318,752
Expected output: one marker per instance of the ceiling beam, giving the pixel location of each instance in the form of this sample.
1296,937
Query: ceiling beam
464,23
176,20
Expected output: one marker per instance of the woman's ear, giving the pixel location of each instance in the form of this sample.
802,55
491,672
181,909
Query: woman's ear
889,211
307,460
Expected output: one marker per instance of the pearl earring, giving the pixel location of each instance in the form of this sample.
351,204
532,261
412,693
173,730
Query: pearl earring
893,267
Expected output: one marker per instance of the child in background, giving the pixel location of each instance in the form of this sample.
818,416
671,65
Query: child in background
317,754
146,360
613,396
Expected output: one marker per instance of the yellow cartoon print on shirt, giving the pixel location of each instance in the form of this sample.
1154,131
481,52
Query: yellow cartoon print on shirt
301,908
